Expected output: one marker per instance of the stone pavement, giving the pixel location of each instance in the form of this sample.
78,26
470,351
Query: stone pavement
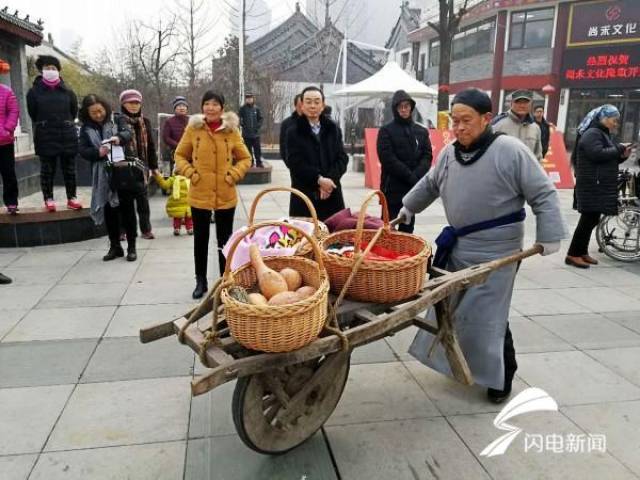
81,398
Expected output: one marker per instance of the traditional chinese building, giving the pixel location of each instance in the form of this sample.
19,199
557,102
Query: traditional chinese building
574,55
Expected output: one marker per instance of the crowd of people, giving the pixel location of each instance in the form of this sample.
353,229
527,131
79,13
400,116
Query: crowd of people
483,179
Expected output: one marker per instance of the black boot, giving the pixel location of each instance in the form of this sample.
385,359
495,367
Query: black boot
115,251
132,256
201,287
4,280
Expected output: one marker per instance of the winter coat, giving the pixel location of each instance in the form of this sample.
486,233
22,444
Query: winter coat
404,151
151,157
91,137
173,129
9,112
250,121
526,130
309,157
545,135
178,201
53,112
214,162
597,158
286,124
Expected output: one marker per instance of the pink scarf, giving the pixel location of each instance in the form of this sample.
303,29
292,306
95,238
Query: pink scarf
50,84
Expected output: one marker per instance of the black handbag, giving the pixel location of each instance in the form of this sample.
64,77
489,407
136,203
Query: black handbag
128,176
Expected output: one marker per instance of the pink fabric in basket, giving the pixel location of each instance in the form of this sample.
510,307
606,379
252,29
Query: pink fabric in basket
272,241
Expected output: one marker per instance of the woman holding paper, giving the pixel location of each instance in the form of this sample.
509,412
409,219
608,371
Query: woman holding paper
101,137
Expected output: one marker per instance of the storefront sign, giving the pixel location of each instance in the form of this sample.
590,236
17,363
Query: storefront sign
604,22
555,163
603,67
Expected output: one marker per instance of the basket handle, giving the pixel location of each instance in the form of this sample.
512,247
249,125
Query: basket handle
362,213
305,199
252,228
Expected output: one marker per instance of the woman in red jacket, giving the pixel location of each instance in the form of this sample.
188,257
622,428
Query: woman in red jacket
9,112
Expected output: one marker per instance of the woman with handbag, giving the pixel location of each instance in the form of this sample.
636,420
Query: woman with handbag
213,156
144,148
109,206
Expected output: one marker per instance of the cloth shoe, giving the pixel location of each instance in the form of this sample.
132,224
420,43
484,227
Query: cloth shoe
115,251
4,280
498,396
148,235
50,205
74,204
12,209
201,288
577,262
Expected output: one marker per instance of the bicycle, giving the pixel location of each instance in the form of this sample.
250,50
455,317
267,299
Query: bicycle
618,236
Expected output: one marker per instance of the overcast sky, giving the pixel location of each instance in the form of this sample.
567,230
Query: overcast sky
95,21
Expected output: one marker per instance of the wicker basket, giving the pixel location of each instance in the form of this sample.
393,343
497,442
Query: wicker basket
281,328
320,230
379,282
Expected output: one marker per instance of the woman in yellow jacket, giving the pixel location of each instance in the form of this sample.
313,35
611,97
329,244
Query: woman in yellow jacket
212,155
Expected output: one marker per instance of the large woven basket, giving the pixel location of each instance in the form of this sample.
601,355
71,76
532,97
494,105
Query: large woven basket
281,328
320,230
379,282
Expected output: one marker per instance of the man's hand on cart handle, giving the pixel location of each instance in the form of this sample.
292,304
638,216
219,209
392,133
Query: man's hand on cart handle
549,248
405,215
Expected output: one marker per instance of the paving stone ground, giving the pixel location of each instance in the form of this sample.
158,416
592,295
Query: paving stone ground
81,398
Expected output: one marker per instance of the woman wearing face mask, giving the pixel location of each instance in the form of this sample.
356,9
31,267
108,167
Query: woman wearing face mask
213,156
53,107
107,206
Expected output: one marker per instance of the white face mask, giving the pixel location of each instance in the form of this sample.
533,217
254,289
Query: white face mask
51,75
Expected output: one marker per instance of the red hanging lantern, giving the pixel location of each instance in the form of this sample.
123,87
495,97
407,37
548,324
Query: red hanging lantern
4,67
548,89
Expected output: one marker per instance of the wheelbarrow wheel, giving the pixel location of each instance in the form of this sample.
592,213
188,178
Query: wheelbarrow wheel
276,411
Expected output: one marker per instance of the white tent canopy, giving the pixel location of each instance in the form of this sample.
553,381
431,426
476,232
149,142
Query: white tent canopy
385,82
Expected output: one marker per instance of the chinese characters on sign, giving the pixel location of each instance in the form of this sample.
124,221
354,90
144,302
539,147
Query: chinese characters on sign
612,30
604,67
604,22
601,67
570,443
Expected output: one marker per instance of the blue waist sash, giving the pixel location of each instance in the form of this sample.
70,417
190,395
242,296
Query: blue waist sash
449,235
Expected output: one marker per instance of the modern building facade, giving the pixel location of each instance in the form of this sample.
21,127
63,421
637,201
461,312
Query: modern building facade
574,55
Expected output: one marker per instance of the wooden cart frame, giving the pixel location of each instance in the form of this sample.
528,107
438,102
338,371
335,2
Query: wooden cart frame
282,399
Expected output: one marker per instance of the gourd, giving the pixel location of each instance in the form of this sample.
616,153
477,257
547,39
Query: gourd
270,282
284,298
305,292
292,277
257,299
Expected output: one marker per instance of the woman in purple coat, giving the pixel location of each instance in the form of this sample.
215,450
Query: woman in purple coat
9,112
174,127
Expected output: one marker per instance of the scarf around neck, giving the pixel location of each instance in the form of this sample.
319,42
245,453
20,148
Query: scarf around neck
140,139
469,155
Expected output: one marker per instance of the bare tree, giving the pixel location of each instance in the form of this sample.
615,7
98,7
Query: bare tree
447,27
156,52
193,26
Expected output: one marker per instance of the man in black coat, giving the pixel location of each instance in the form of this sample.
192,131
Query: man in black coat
251,123
545,128
405,153
286,124
316,158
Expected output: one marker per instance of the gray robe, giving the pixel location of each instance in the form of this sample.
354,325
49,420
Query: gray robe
497,184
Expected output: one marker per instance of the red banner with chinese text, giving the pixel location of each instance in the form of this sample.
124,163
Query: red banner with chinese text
555,163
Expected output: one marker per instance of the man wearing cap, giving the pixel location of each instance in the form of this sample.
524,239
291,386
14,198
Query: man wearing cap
174,127
251,123
518,122
484,180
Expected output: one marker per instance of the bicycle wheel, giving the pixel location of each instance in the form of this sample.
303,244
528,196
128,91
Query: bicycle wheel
618,236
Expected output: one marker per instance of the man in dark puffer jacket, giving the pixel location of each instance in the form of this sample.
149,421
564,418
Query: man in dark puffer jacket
405,153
